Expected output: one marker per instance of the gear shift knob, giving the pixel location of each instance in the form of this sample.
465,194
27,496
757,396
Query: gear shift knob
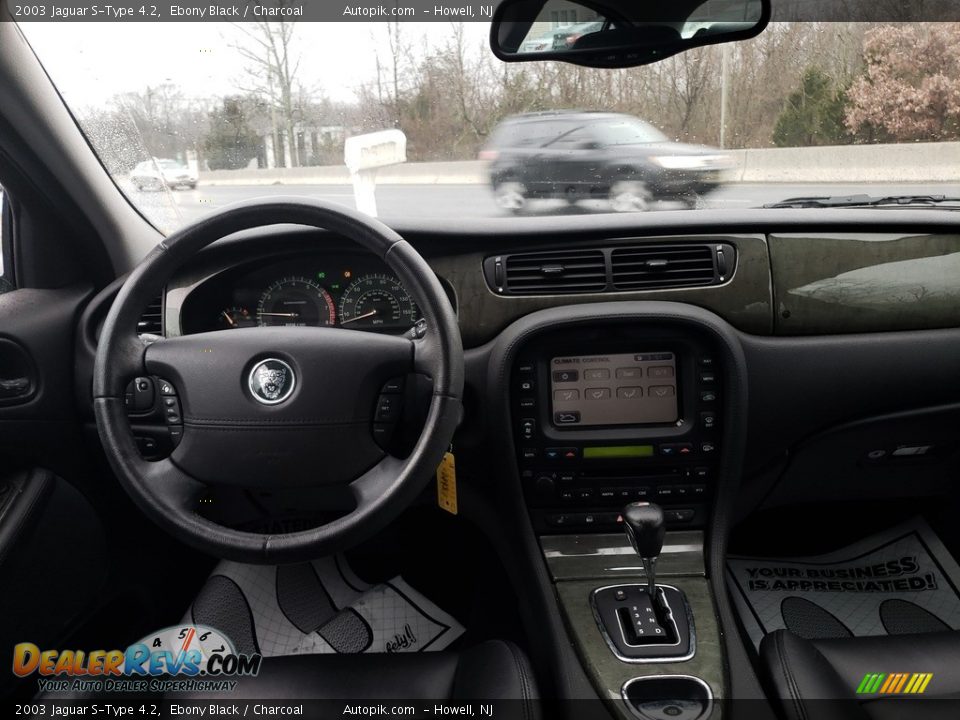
644,526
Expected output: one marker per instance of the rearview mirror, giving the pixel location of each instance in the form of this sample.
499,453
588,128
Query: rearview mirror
619,33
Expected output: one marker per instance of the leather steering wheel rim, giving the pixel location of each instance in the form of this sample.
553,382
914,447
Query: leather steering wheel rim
167,493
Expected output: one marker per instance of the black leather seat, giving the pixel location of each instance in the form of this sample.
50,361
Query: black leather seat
491,671
818,679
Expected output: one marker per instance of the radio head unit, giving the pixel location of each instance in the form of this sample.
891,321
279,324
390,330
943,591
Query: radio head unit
616,389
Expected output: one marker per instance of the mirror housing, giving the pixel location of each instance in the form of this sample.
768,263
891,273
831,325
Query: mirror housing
619,33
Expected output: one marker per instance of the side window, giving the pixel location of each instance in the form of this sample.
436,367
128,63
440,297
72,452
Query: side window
6,264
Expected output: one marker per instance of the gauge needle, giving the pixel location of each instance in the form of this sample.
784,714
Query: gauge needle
229,319
292,315
359,317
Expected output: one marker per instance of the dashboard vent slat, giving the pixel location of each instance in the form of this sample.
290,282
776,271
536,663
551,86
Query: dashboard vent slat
151,321
662,266
556,272
650,265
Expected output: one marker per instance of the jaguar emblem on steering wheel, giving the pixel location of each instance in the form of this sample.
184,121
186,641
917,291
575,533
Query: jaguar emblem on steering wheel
271,381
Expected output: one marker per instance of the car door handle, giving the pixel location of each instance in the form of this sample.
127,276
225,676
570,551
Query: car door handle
14,387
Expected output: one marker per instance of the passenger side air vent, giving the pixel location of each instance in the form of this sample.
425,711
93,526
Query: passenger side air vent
151,322
650,265
647,267
549,273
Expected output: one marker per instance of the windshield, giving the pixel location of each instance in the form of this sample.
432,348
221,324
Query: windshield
404,119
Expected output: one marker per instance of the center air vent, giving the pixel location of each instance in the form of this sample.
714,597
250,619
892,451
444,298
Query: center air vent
546,273
639,266
646,267
151,322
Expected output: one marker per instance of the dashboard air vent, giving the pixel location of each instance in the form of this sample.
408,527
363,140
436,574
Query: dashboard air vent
646,267
151,321
547,273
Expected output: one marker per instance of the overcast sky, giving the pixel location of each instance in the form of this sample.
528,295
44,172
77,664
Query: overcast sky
91,62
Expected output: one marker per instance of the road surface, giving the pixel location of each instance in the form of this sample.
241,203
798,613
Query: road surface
476,201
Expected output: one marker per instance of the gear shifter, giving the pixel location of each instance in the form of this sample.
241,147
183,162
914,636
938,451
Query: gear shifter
644,526
645,623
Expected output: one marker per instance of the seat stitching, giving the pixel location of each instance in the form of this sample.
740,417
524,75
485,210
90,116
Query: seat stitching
524,685
794,691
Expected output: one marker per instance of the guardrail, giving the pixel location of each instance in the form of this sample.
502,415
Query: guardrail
915,162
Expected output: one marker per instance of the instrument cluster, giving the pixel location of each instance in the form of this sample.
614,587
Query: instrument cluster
349,291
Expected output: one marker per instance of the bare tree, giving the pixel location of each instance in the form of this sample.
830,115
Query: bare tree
271,73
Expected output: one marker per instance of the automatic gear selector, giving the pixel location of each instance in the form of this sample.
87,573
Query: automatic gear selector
642,622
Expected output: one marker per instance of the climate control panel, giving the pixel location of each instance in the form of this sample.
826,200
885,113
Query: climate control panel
599,422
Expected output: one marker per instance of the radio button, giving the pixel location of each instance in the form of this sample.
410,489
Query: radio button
528,427
608,494
566,495
667,491
585,494
682,515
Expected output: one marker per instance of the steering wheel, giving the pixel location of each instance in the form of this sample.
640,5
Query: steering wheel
278,407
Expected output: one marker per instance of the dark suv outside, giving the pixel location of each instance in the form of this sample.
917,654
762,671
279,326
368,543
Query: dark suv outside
574,155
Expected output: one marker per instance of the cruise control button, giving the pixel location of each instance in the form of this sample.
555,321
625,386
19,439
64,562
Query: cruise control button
392,387
388,409
166,388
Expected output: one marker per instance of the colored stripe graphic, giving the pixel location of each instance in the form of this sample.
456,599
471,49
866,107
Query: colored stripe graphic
894,683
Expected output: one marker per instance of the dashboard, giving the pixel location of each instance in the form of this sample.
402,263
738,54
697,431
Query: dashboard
353,291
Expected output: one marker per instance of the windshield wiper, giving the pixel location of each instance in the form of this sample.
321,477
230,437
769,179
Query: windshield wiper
834,201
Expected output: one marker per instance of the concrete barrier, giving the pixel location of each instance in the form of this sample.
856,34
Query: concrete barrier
915,162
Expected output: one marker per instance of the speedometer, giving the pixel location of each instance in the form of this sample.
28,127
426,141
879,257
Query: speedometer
296,301
377,301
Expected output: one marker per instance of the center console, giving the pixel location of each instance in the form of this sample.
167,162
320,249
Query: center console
604,418
618,417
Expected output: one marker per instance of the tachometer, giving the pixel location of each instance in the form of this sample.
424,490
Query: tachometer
377,301
296,301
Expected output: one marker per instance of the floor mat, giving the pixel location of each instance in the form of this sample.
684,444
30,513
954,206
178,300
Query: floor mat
318,607
900,581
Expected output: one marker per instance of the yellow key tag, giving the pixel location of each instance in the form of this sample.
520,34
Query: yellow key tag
447,484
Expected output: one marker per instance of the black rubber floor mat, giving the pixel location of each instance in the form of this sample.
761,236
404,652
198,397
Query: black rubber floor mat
901,580
808,620
902,617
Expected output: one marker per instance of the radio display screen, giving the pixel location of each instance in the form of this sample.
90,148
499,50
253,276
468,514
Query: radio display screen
621,389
